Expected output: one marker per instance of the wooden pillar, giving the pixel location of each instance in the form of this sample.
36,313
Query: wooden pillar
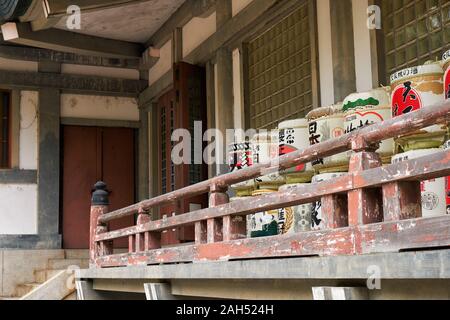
365,206
99,207
402,200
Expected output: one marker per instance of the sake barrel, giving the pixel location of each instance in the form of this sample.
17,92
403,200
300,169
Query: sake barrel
316,216
447,183
298,218
367,108
264,149
413,89
433,191
324,124
446,62
240,157
293,137
262,224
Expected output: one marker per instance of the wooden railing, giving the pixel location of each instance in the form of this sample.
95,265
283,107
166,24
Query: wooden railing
373,209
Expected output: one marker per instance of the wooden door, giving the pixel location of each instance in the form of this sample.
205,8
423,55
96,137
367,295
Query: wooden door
178,109
91,154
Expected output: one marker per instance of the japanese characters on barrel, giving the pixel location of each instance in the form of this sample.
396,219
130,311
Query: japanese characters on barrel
410,90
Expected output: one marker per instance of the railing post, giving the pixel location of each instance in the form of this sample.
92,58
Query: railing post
99,207
214,228
365,206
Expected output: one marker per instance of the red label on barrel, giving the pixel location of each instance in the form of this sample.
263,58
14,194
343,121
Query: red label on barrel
405,99
447,83
285,149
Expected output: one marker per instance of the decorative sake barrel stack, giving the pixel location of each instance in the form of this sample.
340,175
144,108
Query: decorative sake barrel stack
367,108
413,89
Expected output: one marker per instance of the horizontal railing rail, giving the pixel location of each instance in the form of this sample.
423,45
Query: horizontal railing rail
372,206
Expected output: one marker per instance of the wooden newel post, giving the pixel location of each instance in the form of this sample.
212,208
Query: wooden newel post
99,207
365,206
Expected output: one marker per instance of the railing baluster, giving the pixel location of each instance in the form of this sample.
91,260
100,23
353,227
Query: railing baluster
334,211
365,206
218,196
131,244
200,232
99,207
143,217
402,200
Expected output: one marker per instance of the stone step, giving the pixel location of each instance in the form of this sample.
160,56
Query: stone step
42,275
63,264
57,288
77,254
24,289
8,298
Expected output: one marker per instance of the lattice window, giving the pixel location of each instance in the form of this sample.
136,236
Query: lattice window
4,129
414,31
280,81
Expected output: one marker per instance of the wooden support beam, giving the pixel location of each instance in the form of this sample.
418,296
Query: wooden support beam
188,10
60,40
37,54
44,14
72,83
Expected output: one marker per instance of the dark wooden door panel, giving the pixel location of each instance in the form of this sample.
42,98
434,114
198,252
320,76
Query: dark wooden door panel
118,172
80,172
91,154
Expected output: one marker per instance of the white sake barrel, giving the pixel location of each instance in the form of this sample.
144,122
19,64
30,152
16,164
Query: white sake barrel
363,109
446,62
413,89
264,149
263,224
433,191
447,183
240,157
316,217
298,218
325,124
293,137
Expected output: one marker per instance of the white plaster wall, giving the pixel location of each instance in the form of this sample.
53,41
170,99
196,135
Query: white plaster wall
100,71
99,107
163,65
363,58
325,52
238,5
18,209
28,140
18,65
196,31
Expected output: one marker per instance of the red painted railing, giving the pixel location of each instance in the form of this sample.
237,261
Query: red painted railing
373,209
